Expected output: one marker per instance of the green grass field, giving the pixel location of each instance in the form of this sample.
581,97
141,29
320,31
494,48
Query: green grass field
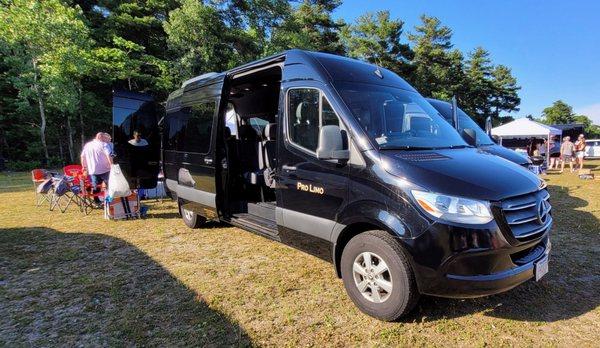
70,279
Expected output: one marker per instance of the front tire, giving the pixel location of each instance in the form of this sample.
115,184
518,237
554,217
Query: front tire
190,218
378,277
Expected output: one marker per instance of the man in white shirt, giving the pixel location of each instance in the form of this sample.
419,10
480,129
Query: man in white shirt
138,140
96,160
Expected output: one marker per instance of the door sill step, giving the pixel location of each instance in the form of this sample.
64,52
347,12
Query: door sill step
257,224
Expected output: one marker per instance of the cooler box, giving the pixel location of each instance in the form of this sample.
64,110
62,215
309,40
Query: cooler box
123,208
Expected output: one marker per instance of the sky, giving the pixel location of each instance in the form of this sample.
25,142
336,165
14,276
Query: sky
552,47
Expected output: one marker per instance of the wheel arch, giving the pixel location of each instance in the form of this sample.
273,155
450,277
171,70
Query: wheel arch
361,217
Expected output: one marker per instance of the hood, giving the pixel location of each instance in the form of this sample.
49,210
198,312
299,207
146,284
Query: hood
505,153
469,173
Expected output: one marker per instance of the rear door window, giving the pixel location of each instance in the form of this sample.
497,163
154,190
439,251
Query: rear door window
198,128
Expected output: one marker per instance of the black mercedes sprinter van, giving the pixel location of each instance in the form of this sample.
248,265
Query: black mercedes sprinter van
478,136
346,161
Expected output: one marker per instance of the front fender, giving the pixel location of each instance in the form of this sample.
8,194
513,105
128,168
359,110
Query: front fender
373,213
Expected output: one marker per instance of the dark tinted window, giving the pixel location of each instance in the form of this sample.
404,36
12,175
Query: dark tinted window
308,109
190,128
327,114
174,129
303,121
198,129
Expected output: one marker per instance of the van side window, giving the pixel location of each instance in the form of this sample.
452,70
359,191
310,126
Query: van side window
328,116
174,130
198,129
308,110
303,121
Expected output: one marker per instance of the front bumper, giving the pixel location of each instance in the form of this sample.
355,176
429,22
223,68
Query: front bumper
464,263
488,284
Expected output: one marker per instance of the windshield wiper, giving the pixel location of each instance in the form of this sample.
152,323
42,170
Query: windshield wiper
452,147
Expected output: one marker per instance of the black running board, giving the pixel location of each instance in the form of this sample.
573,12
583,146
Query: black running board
256,224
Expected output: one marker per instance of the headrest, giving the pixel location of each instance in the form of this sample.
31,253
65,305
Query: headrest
247,132
300,109
394,115
271,131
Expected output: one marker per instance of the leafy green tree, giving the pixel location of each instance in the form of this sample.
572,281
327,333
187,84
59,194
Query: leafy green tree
480,87
376,38
558,113
195,35
251,23
310,26
505,95
431,46
590,129
33,31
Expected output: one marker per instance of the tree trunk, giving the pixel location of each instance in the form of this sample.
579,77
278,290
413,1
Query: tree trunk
38,92
70,138
80,112
61,152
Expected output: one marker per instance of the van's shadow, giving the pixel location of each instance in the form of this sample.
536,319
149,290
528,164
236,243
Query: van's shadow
570,288
95,290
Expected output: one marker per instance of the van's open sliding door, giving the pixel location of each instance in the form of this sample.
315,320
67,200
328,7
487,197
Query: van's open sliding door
137,137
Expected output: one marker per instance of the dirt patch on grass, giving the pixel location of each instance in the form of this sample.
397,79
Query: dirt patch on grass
70,279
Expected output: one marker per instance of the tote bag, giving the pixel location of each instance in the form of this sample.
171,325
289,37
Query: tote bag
117,184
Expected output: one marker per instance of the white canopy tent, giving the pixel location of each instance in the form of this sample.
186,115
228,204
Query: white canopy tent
526,128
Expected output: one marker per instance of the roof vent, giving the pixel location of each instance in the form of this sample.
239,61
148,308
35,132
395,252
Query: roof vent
198,78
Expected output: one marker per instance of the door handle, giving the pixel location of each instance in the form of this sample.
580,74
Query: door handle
208,160
288,168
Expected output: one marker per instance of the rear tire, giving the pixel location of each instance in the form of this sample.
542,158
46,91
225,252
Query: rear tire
378,276
191,219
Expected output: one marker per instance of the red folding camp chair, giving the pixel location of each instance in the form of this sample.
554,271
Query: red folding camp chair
87,194
39,176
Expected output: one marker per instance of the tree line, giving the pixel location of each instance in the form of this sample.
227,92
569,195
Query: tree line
60,59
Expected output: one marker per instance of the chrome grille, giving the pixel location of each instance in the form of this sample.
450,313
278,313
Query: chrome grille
528,215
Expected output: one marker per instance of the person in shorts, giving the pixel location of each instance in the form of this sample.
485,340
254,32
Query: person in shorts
96,161
567,150
579,151
554,150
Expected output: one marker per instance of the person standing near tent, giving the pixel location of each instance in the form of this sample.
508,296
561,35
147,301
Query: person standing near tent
554,151
579,151
567,150
96,161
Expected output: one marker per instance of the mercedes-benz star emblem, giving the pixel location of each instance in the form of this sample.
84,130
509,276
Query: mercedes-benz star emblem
542,212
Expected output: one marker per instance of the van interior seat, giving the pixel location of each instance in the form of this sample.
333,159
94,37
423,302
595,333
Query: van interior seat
269,147
393,112
304,130
249,148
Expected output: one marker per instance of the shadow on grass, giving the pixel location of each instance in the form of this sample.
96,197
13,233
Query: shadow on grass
570,289
91,289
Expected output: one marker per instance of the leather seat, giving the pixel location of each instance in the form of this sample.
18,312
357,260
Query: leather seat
269,151
249,150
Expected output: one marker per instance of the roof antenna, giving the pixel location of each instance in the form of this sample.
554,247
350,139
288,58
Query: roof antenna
378,70
455,112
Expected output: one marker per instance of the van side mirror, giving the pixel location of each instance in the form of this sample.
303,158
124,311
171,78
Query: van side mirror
470,136
333,144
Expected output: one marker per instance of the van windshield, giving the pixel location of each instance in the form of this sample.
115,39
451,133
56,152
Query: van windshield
395,118
464,121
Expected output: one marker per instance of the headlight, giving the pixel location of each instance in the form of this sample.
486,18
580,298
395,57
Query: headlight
454,209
